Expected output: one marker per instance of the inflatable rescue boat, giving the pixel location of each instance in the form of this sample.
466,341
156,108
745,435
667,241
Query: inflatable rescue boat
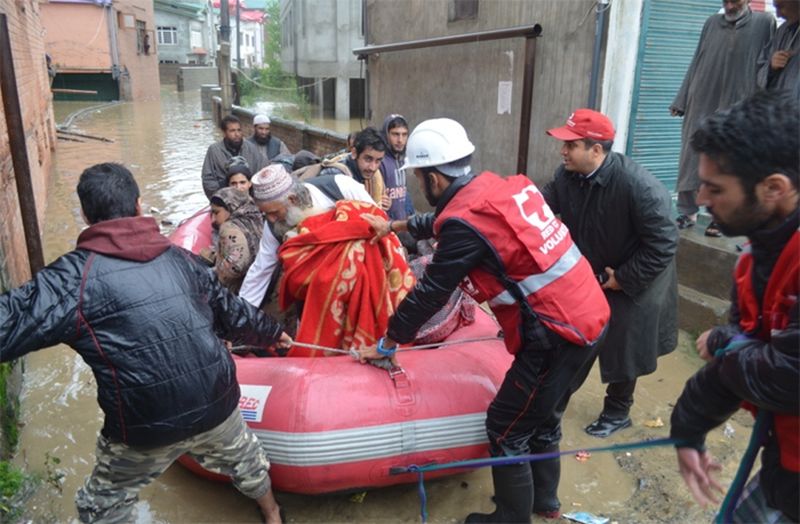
330,424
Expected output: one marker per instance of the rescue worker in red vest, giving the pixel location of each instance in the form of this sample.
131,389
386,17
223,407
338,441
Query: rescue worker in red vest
500,241
748,168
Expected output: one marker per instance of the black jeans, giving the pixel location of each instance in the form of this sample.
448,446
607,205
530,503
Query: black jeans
619,399
526,414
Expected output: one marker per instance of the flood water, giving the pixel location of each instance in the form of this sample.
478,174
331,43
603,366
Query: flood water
164,143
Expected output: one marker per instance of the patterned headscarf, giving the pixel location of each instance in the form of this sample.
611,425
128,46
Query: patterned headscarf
244,214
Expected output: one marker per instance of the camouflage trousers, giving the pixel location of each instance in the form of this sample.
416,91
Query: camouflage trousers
120,472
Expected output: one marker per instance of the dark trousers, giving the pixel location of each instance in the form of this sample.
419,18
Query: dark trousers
525,416
619,399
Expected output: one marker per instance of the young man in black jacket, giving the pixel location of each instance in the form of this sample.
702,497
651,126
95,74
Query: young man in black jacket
145,316
749,163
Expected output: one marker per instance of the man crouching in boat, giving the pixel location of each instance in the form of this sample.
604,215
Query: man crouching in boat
144,315
498,239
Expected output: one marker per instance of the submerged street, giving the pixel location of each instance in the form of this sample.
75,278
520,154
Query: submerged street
163,143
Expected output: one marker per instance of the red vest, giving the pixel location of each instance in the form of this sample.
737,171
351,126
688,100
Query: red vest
539,258
758,320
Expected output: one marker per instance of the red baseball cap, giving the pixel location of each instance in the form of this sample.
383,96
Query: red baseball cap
584,123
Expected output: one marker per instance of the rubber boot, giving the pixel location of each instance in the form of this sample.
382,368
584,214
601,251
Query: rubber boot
546,475
513,493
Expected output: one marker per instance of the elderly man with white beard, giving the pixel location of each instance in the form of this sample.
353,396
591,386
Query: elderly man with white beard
285,202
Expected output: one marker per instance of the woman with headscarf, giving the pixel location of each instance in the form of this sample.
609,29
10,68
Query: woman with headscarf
240,226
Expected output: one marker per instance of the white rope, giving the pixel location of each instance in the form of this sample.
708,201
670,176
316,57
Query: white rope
408,348
352,351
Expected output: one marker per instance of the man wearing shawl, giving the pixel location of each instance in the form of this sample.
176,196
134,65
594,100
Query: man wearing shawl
722,72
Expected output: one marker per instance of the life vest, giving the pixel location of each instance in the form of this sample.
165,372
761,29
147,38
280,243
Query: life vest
758,320
543,269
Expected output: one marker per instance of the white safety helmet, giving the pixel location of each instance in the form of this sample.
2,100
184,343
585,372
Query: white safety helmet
437,142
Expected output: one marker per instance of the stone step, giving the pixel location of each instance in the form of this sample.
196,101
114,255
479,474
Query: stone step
698,311
706,264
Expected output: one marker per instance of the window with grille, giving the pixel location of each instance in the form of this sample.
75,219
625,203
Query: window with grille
167,35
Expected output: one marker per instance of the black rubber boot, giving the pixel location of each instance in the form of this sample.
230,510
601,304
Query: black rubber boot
513,493
546,475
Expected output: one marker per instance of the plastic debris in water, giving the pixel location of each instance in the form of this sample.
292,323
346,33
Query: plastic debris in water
582,456
585,518
655,423
728,431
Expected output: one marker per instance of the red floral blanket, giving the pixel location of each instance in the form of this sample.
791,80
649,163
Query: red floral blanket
349,287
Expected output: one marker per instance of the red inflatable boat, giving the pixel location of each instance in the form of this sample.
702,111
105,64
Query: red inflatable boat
331,424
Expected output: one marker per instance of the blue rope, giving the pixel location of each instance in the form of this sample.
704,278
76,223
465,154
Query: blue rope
505,461
516,459
423,498
757,437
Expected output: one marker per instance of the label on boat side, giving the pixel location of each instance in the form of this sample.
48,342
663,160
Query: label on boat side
252,401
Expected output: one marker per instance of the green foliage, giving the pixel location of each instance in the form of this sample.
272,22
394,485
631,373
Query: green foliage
271,82
9,413
12,482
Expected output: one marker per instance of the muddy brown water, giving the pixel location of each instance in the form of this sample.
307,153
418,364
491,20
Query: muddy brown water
163,142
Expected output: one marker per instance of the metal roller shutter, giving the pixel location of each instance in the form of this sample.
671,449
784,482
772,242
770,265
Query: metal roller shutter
670,31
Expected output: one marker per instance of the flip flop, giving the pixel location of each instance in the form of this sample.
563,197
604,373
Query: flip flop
684,222
713,230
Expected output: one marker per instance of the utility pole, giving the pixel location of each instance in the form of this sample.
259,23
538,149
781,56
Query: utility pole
19,150
238,37
224,57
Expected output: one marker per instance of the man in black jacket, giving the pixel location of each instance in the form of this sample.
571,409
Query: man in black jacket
619,215
145,316
749,163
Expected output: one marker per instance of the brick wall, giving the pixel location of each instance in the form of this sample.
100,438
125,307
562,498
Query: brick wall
33,85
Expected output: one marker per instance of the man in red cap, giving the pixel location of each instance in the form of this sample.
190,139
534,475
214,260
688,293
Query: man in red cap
619,216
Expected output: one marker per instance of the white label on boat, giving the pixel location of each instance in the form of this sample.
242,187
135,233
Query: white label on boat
252,401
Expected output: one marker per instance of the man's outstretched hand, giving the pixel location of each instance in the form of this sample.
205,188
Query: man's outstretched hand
698,470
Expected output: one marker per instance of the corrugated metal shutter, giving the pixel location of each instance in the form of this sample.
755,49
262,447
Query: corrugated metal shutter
670,31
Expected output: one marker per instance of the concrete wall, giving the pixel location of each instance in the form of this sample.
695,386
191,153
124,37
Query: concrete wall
97,37
83,42
141,68
463,81
296,135
191,78
33,86
168,73
318,37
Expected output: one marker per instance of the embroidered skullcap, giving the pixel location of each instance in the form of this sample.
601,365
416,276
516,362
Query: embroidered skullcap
260,119
271,183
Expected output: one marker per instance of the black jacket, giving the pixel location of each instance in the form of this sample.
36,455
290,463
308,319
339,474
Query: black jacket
143,314
459,249
766,374
620,218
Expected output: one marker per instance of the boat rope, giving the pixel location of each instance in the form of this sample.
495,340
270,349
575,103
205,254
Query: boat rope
406,348
352,352
508,460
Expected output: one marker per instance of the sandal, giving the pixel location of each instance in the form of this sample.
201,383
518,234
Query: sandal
713,230
684,222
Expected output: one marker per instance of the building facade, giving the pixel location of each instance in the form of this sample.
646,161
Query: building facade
185,32
318,37
108,46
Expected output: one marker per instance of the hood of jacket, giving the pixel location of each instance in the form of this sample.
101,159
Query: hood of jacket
129,238
385,136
